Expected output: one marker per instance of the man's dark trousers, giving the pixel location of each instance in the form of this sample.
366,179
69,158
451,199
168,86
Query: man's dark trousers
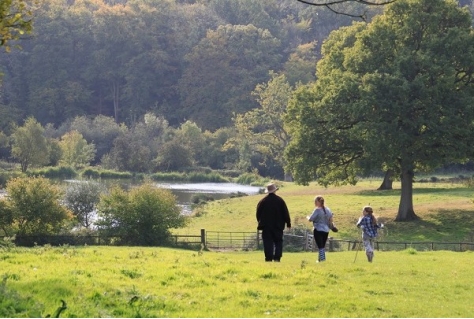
272,244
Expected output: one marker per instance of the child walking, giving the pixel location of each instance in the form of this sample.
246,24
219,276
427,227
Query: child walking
368,223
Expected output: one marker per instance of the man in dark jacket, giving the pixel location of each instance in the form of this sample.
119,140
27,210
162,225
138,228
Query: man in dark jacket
272,215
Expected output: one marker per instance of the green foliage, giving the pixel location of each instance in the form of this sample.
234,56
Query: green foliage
100,130
96,173
91,173
212,177
301,64
76,152
35,205
16,17
136,148
15,305
411,251
29,146
384,98
261,131
82,198
6,219
229,60
65,172
251,179
173,156
55,151
173,176
6,175
142,216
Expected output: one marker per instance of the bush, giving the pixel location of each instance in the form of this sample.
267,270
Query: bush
143,216
35,206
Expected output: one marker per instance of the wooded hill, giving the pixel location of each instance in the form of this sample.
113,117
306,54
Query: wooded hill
184,60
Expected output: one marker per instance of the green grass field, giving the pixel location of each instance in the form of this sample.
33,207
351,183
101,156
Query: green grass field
165,282
446,210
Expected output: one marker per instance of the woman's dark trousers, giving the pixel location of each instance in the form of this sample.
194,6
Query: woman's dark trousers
321,237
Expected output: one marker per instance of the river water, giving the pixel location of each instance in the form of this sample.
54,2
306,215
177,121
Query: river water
185,191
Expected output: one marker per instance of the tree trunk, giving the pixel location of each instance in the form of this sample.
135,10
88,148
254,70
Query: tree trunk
387,181
405,209
116,97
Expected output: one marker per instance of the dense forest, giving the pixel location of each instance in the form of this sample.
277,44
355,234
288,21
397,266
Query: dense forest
276,89
143,80
183,60
161,85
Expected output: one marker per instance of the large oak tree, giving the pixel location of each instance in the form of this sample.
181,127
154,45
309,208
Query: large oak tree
395,94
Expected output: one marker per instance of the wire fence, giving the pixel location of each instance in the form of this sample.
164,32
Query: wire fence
218,240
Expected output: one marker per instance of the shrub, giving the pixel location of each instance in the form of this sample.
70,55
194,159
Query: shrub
35,205
143,216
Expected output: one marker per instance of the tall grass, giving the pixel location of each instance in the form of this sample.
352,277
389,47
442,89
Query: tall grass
162,282
55,172
104,173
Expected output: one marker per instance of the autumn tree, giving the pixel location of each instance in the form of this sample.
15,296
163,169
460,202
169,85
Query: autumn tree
395,94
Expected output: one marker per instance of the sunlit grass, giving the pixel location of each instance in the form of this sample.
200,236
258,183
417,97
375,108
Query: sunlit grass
446,210
162,282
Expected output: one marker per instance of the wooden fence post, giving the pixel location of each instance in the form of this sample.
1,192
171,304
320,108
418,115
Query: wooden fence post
203,238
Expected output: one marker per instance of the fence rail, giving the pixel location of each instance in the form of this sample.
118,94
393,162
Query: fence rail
217,240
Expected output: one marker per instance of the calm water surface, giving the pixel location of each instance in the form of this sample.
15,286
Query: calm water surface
185,191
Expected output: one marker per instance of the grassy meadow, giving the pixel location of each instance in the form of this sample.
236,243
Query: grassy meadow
446,210
165,282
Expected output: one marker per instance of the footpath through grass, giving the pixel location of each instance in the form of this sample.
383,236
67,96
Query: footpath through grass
163,282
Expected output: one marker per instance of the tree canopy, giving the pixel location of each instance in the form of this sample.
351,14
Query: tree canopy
396,93
29,145
16,20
